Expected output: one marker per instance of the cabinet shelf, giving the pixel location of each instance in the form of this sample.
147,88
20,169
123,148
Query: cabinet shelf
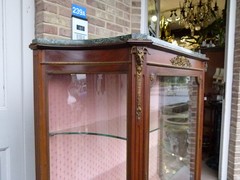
87,133
91,134
155,129
115,128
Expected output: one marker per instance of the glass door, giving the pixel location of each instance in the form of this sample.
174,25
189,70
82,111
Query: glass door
87,126
172,133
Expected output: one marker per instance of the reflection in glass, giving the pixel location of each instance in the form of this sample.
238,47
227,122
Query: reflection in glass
173,116
87,126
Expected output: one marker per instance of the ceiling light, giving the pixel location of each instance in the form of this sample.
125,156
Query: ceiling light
154,18
198,15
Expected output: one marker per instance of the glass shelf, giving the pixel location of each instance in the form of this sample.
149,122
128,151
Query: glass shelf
111,128
86,133
92,133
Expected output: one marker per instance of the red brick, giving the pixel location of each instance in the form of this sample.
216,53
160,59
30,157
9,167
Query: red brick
49,29
44,6
39,17
65,32
114,27
45,28
50,18
63,21
102,32
39,29
123,7
136,25
57,14
91,29
122,22
79,2
136,4
97,22
90,11
96,4
136,11
65,3
65,12
53,1
135,31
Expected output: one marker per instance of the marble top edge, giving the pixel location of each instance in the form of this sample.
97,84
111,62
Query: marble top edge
69,42
117,40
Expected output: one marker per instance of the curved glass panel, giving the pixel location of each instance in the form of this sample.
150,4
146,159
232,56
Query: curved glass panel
173,117
87,126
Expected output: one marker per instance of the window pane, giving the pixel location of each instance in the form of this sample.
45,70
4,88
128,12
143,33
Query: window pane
173,117
87,126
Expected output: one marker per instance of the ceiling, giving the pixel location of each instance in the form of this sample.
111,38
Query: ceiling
166,5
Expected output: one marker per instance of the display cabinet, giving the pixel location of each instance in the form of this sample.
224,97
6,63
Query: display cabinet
127,107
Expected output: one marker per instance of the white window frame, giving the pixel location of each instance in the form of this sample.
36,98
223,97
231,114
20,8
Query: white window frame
226,108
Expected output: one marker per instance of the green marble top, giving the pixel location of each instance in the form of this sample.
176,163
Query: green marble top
114,40
100,41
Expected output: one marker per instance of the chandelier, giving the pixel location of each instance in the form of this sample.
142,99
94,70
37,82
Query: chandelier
197,15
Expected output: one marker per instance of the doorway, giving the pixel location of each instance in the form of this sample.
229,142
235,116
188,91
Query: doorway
228,65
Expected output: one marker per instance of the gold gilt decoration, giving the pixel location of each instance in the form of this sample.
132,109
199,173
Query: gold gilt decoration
180,61
152,79
206,67
139,56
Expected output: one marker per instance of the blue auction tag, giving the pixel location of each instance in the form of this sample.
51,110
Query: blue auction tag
79,11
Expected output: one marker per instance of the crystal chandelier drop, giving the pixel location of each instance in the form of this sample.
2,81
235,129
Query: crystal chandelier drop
197,15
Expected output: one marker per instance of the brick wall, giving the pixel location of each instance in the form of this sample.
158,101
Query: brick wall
106,18
234,144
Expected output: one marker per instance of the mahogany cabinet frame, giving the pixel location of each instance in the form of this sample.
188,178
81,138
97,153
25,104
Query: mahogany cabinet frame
136,55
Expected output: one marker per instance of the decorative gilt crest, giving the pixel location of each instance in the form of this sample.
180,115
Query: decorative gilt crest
180,61
139,52
139,55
